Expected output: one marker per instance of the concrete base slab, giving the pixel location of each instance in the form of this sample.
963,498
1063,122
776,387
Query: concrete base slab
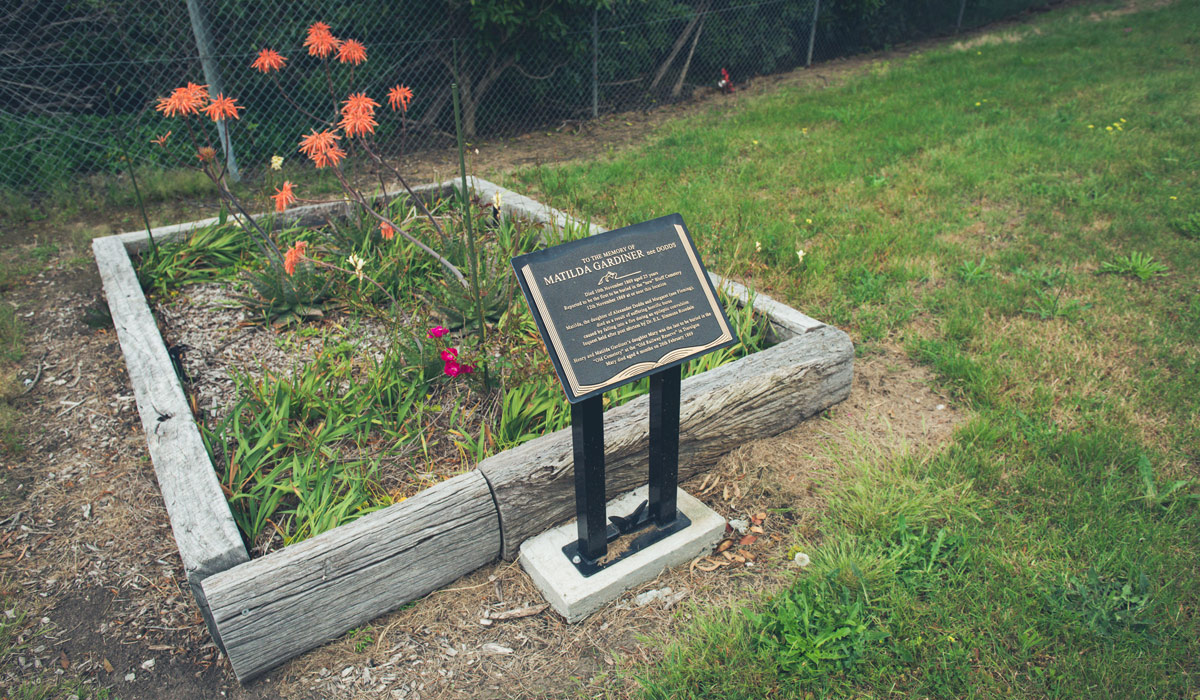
576,597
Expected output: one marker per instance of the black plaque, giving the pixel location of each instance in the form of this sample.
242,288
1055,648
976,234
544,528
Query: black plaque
620,305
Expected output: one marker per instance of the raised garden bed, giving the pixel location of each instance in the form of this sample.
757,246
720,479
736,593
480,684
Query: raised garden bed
267,610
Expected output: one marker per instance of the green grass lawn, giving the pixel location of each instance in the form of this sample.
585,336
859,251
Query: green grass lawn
1024,217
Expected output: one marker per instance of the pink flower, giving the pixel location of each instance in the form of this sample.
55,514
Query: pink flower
467,368
452,368
450,354
436,332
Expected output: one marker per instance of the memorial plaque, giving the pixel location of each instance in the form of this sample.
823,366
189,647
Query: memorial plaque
620,305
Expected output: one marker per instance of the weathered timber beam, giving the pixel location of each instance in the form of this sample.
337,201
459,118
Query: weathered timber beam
756,397
273,608
203,526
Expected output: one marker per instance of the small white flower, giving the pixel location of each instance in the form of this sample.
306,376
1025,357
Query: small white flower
800,255
801,560
358,263
276,162
757,247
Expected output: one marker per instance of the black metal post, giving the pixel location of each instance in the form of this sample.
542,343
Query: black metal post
664,444
587,436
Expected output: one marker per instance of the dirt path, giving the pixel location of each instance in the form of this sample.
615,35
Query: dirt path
94,593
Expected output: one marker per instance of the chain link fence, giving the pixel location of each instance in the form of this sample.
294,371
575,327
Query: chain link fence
79,80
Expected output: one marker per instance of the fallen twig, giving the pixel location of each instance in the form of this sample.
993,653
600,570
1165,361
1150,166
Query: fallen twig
518,613
38,374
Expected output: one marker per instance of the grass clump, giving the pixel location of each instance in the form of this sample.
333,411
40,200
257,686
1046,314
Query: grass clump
1139,265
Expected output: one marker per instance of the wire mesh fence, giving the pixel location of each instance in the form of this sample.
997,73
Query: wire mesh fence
79,81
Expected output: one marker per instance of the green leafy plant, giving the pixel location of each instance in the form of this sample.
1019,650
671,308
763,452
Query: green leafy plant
817,628
1139,265
923,555
1048,287
530,409
971,272
1189,226
278,450
201,256
1104,605
1166,495
362,638
282,300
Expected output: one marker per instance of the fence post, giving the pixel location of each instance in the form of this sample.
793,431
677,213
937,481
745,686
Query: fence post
595,64
962,5
212,76
812,32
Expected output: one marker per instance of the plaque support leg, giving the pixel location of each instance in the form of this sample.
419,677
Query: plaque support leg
664,444
587,436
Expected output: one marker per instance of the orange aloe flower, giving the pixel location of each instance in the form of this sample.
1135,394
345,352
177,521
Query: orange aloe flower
206,153
317,141
322,148
222,108
359,103
352,52
293,255
358,115
268,60
161,140
329,158
320,41
284,196
387,231
399,97
183,101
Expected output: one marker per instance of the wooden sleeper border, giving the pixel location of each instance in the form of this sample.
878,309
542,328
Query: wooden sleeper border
265,611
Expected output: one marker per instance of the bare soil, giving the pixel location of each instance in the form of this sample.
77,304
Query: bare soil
88,558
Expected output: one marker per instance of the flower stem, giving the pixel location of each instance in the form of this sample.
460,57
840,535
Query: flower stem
404,183
466,209
292,102
138,193
362,201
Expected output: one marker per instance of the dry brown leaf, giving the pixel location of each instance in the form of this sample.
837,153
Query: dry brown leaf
748,539
63,661
760,516
727,555
725,493
695,562
725,544
712,567
748,555
107,666
757,530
